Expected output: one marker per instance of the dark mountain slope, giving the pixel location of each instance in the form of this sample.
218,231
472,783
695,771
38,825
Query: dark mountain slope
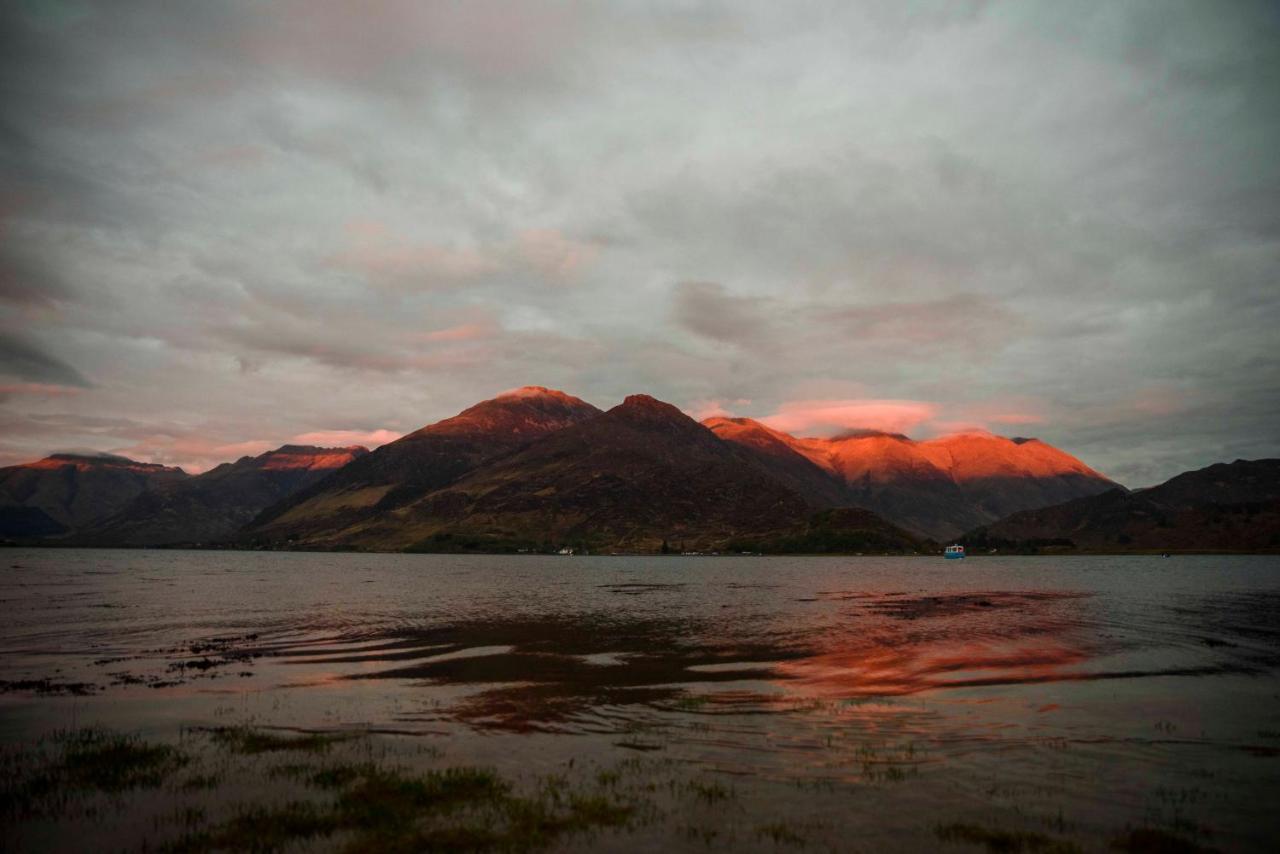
214,506
1225,507
67,492
637,475
415,465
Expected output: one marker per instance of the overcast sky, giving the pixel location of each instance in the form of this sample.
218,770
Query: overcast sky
224,226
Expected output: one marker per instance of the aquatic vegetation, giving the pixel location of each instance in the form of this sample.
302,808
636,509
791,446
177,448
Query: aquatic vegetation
46,686
200,782
84,760
259,828
99,759
361,805
388,798
782,833
1002,841
250,741
1151,840
709,792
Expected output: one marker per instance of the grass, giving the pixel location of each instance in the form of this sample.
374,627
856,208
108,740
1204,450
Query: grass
781,833
72,762
384,798
1003,841
369,808
97,759
709,792
1150,840
451,809
249,741
333,791
200,783
259,828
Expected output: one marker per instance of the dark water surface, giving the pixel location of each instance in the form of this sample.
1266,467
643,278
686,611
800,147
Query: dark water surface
756,703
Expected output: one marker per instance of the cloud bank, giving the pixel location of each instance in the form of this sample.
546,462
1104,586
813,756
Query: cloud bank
226,225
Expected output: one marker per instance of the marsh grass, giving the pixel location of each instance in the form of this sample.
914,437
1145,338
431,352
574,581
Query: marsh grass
709,793
71,763
249,741
381,809
782,833
1151,840
1003,841
365,806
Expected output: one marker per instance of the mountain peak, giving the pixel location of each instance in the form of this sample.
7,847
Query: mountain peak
531,410
645,400
87,461
528,391
650,407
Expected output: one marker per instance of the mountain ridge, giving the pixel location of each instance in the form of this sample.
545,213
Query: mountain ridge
937,487
215,505
1221,507
535,466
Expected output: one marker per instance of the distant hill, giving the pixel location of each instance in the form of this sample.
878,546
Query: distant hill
937,488
1225,507
213,506
66,492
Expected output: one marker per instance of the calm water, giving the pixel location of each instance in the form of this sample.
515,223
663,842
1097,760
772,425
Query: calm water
856,702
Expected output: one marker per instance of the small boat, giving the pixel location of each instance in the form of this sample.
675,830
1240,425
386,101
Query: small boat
955,552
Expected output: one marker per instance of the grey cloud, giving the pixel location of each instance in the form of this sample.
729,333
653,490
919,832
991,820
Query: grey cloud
1072,204
707,308
26,361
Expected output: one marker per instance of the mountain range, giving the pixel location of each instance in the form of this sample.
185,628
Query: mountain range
535,469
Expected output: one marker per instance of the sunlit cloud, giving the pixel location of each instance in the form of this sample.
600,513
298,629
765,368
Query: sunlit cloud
191,453
462,332
827,417
344,438
388,259
39,389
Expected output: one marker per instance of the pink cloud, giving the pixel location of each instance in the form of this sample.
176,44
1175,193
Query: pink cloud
947,428
39,389
992,415
342,438
462,332
704,409
1159,401
1016,418
554,254
386,258
191,453
485,39
832,416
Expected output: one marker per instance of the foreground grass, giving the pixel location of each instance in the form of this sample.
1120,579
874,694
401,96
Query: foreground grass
69,763
248,741
1000,841
381,809
360,806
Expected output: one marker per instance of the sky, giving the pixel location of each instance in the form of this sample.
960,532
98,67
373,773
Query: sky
227,226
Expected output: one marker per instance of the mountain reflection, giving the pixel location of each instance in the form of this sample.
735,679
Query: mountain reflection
578,671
